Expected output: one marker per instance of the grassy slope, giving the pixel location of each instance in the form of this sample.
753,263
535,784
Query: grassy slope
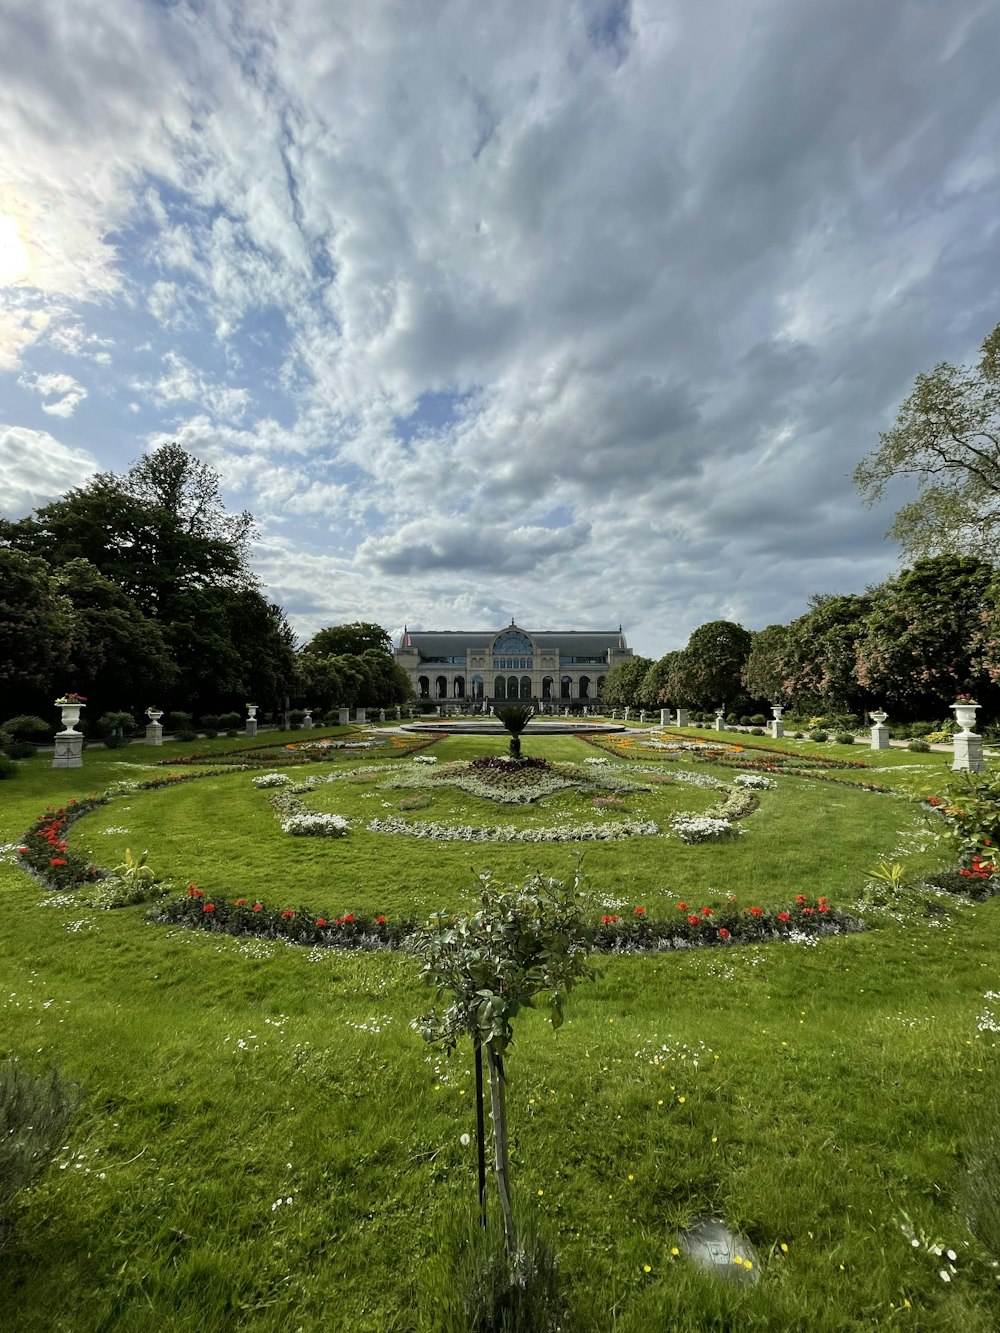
846,1080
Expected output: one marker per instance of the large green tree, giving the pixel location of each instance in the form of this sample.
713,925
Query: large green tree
658,685
623,683
947,437
356,638
764,676
819,663
709,671
37,626
920,636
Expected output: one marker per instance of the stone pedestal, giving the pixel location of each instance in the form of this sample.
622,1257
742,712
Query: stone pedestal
720,722
880,736
381,714
777,728
968,752
343,717
154,733
251,726
307,721
682,717
642,715
69,750
664,717
360,716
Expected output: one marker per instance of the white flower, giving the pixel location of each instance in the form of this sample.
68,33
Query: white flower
465,1140
945,1275
270,780
308,824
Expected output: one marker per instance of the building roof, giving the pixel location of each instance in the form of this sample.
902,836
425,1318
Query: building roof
455,643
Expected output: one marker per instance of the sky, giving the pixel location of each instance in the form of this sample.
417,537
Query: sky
578,313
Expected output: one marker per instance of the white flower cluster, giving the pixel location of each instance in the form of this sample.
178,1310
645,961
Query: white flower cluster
595,761
702,828
610,832
425,758
755,781
270,780
307,823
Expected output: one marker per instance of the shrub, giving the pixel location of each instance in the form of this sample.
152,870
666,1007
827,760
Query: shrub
210,734
115,742
34,1113
819,736
745,721
230,721
178,722
8,768
24,727
19,750
296,717
757,720
185,735
919,747
845,737
231,731
210,722
756,731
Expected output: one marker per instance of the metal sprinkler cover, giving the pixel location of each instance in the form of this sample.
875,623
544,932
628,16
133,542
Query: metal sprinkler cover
727,1254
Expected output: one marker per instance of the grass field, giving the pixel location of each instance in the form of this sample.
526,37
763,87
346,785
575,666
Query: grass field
264,1143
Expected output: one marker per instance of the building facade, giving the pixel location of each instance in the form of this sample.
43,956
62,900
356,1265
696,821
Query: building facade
564,667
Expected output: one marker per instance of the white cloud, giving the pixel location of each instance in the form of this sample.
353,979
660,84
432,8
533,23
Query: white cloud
36,468
64,393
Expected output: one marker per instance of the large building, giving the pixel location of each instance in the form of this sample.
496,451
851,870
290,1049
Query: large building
554,666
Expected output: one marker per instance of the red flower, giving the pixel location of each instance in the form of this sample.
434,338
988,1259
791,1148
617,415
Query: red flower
22,851
966,873
57,861
756,911
351,918
799,898
209,907
194,892
321,921
693,920
640,911
257,907
724,933
380,920
783,916
707,911
288,914
808,911
241,902
192,886
682,907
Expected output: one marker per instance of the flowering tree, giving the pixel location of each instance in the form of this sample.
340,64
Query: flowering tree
524,944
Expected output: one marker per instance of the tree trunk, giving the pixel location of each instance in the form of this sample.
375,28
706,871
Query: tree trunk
499,1101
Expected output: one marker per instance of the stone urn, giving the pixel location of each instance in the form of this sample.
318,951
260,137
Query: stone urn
70,711
251,710
879,716
965,714
154,714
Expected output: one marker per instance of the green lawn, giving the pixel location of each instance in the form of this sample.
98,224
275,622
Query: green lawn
817,1096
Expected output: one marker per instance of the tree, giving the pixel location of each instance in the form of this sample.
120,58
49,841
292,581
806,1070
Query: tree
37,626
119,655
356,638
820,660
525,943
947,436
709,672
623,683
160,532
917,650
763,675
657,688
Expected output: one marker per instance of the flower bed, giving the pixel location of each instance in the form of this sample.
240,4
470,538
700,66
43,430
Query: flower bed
613,831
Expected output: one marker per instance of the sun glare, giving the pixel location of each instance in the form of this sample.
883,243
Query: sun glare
14,258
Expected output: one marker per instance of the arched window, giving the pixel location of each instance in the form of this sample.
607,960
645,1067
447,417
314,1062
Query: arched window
499,688
459,687
511,687
424,688
566,687
477,687
512,643
525,687
442,687
584,687
547,684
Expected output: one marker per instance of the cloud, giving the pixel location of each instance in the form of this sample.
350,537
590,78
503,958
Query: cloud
64,393
36,468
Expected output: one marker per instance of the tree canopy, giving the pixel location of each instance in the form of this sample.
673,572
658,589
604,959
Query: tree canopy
356,638
947,437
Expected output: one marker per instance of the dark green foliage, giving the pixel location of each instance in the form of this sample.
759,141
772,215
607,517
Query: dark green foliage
25,728
178,722
18,749
709,672
359,637
36,628
8,768
515,717
229,721
845,738
981,1193
757,719
186,735
919,747
623,685
34,1113
819,736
